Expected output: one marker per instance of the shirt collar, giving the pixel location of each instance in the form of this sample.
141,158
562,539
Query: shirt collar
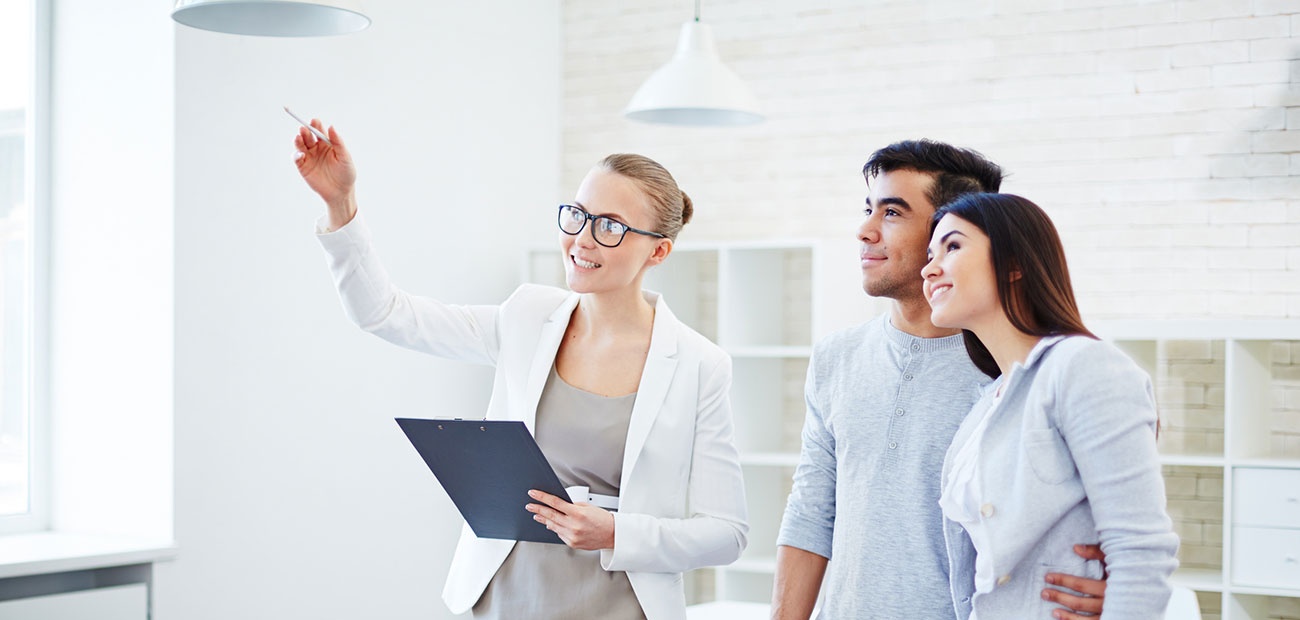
908,342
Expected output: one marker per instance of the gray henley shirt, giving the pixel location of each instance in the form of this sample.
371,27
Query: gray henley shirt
882,409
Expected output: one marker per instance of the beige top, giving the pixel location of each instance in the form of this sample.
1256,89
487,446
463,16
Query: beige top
583,435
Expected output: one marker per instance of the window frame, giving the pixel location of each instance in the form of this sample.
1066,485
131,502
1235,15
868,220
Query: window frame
38,184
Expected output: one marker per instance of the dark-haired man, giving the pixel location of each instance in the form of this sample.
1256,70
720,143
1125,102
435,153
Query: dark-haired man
884,400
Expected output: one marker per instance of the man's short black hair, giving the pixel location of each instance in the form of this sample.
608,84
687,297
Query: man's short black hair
956,171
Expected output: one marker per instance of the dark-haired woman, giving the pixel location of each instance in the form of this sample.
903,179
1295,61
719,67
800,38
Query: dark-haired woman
622,397
1061,448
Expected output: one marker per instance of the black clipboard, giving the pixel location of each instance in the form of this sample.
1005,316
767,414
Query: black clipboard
487,468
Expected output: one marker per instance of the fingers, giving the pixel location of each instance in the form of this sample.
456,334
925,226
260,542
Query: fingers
1073,602
552,512
1064,614
305,141
1083,585
554,521
549,500
545,512
1090,552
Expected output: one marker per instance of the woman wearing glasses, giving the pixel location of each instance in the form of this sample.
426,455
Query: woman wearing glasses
621,396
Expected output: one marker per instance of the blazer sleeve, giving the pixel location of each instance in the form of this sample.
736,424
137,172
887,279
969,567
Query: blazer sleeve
1108,420
716,530
464,333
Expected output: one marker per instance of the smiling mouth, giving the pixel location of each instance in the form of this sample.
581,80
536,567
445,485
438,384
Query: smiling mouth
936,291
584,264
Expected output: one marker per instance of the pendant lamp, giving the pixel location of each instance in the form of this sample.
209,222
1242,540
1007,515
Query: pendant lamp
273,18
694,88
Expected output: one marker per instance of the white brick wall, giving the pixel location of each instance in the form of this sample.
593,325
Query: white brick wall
1163,137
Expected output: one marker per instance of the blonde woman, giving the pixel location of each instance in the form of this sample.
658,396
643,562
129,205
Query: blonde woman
621,396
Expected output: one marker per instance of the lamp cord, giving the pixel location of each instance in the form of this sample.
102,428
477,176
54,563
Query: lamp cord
697,10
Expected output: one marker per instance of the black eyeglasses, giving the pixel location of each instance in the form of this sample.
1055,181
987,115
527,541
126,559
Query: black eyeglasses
605,231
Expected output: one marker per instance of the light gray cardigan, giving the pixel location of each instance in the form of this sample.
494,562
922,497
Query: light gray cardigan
1069,457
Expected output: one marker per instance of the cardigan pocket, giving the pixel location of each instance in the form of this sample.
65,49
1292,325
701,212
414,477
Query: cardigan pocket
1048,456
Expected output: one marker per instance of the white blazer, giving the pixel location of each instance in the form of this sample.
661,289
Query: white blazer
682,502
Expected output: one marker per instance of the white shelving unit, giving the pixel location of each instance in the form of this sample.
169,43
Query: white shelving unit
1229,393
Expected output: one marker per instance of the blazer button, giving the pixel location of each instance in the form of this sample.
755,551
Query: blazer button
986,510
1002,581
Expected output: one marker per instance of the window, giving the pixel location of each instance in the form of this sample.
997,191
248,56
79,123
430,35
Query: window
17,148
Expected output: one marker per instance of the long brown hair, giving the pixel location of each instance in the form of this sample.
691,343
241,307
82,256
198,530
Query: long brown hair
1029,265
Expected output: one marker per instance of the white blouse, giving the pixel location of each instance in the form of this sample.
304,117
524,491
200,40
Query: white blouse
962,497
962,491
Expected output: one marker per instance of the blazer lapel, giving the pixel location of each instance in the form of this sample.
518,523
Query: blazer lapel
548,343
660,364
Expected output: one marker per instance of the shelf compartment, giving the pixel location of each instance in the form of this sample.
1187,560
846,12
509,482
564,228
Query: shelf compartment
1264,390
1195,504
688,280
1189,379
1199,579
1210,603
766,295
1251,606
766,491
700,585
767,403
749,587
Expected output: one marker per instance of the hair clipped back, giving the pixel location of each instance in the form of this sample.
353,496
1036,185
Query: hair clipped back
672,207
957,171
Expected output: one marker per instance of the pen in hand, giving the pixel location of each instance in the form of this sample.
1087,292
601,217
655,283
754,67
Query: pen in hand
318,133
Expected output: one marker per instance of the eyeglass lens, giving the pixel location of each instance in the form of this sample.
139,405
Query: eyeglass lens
607,232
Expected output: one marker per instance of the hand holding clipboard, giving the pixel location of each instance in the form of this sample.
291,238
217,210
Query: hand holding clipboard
487,468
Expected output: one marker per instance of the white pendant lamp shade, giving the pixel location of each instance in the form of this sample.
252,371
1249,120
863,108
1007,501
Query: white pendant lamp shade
273,18
694,88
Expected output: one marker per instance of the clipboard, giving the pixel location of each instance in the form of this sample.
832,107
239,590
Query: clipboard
487,468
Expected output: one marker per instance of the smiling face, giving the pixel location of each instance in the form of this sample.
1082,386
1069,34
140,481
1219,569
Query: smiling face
593,268
959,279
894,234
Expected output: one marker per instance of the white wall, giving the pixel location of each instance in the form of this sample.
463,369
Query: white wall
1163,136
296,494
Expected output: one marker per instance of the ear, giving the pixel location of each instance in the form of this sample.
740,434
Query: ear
1014,274
663,247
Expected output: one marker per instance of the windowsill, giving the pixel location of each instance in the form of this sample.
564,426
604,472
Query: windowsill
55,552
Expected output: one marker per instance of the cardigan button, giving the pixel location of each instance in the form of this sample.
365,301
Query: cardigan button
986,510
1002,581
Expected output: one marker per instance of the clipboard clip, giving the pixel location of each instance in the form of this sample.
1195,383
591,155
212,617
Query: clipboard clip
579,493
